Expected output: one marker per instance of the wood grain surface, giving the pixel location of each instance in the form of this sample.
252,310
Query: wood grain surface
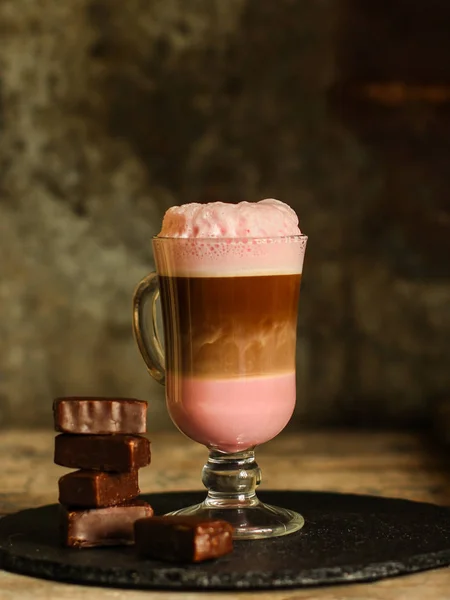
389,463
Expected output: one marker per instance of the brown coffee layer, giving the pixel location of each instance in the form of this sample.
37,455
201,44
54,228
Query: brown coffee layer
230,326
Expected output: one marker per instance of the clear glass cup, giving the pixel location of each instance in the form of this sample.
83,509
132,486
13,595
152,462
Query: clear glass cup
229,309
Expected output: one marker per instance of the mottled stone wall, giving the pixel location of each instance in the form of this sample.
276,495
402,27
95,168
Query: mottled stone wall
112,111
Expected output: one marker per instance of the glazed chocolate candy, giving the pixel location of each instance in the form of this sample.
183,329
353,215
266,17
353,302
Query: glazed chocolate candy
97,416
90,489
102,452
111,526
182,539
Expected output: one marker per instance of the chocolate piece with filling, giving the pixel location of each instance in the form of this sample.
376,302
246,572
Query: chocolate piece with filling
91,489
102,452
111,526
97,416
182,539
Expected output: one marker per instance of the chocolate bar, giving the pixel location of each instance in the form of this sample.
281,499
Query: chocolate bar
102,452
182,539
98,416
93,488
111,526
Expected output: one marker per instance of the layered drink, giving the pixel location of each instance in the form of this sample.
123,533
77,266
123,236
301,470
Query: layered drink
229,278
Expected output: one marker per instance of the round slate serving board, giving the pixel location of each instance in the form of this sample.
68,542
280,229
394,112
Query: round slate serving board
347,538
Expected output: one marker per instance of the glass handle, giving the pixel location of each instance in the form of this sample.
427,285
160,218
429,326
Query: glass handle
145,326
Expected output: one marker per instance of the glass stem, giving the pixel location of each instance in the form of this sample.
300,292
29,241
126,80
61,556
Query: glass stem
231,479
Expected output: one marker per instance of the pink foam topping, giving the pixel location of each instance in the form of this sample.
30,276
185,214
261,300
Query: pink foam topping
219,239
267,218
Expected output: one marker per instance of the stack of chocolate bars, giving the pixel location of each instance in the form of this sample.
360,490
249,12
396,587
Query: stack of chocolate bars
101,437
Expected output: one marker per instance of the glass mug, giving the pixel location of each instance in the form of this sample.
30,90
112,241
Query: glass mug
229,311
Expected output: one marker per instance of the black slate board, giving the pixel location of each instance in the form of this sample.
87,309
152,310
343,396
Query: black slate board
347,538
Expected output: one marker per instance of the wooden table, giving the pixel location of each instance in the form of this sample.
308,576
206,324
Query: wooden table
391,464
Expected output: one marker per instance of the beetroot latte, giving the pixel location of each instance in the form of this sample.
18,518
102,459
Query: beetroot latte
229,279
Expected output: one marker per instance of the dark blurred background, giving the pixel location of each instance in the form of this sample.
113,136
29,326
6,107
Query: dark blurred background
112,111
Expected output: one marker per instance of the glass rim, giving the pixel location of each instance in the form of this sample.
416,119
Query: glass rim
216,239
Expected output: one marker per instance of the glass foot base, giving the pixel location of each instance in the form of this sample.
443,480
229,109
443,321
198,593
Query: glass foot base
253,521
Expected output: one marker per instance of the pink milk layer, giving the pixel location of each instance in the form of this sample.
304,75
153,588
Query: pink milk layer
231,415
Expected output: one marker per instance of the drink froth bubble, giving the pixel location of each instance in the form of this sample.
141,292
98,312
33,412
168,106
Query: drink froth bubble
263,219
250,238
